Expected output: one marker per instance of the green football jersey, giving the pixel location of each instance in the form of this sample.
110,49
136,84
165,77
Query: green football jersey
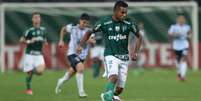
115,35
40,35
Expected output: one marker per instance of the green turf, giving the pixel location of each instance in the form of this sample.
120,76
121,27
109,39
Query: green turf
148,85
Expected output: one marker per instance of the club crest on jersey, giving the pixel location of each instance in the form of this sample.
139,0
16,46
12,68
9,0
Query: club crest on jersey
117,28
38,32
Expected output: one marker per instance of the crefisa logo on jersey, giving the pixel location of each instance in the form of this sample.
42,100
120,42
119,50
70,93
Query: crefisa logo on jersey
117,37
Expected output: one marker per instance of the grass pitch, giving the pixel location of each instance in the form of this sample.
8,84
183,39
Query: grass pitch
147,85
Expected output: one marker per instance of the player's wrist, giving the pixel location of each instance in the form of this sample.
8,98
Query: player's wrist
28,41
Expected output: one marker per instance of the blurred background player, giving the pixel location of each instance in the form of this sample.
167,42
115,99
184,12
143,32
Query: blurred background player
33,62
116,29
76,61
145,42
180,37
97,55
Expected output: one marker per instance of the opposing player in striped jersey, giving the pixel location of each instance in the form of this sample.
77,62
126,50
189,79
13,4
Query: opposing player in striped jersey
115,30
33,62
180,36
76,61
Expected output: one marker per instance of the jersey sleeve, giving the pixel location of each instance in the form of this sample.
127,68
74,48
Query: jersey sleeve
69,28
188,28
133,27
45,35
98,26
27,34
171,29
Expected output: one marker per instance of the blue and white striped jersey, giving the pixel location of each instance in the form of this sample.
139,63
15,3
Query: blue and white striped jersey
181,42
76,35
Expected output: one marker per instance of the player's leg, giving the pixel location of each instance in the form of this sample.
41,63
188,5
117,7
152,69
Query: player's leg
181,57
123,69
183,64
177,62
39,64
80,79
96,53
70,72
96,67
29,69
112,68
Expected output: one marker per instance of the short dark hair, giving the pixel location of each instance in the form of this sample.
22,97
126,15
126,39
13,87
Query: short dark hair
120,3
180,14
35,13
84,16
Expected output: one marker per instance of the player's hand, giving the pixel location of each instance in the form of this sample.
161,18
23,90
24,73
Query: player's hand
177,35
61,43
79,49
32,40
134,56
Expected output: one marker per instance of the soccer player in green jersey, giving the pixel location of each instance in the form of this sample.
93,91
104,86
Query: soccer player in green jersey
33,62
115,30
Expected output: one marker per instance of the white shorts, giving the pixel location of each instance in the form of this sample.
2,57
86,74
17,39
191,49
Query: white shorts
115,66
97,51
32,61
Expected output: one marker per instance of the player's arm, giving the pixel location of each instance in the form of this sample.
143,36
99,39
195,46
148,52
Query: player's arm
137,46
83,40
62,33
87,35
136,31
189,35
26,38
92,40
172,33
45,42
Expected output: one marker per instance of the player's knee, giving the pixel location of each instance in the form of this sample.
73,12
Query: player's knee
113,78
71,72
96,60
80,68
118,90
40,69
29,73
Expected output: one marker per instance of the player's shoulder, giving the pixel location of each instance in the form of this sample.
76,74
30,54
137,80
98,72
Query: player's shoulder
129,21
173,25
72,25
30,29
106,20
187,25
42,28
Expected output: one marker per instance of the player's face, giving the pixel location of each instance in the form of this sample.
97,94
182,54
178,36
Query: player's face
84,23
36,19
141,25
121,13
181,19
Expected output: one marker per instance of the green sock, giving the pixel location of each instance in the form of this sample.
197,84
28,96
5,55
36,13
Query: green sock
96,69
28,81
109,91
34,71
110,87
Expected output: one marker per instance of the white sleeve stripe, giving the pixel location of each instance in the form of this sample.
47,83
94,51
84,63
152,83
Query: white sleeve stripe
26,33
